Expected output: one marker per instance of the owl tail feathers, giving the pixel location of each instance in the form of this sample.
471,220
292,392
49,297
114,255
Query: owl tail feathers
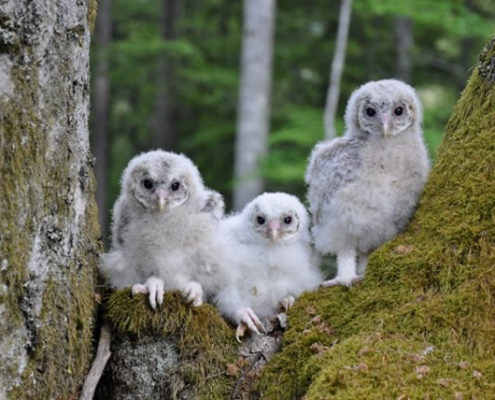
114,268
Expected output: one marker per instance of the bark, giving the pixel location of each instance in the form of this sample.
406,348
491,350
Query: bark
164,131
101,110
332,100
404,41
253,111
48,217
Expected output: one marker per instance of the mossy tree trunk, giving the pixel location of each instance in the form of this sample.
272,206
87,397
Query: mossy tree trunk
422,322
48,218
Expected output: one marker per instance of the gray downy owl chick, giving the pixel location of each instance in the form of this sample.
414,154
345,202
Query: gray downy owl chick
365,186
269,260
163,229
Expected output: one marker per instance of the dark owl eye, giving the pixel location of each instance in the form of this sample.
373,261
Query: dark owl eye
370,112
175,186
148,184
398,111
260,220
287,220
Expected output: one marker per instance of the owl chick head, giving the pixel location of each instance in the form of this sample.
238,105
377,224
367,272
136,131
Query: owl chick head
276,217
160,181
383,108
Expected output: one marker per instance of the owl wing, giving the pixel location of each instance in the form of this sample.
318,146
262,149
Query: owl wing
331,166
121,219
213,204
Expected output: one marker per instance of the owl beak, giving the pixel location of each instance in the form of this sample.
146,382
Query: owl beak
386,128
273,230
161,199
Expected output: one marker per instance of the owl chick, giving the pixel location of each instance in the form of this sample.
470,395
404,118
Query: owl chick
365,186
163,229
267,250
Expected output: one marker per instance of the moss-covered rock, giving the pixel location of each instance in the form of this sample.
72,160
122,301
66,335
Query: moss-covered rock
422,323
191,348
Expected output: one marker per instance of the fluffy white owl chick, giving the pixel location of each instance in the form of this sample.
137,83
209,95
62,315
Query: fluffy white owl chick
365,186
267,251
163,229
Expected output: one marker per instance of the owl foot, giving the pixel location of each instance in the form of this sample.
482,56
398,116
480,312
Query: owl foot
193,292
155,287
287,302
342,281
248,321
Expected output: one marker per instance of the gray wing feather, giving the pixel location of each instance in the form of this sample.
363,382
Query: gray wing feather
332,165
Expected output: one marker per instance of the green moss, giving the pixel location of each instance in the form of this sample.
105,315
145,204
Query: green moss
205,342
434,285
92,12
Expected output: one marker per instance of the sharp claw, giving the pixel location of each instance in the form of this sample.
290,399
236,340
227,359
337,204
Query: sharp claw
239,332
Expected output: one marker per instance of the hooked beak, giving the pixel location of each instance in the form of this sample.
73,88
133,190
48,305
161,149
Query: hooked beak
384,121
161,199
273,230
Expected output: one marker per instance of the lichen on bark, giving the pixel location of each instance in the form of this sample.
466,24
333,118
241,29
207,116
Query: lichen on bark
422,323
48,217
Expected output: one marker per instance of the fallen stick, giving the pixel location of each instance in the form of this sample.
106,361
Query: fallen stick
102,355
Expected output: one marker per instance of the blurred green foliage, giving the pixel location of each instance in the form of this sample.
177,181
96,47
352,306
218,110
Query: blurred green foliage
448,35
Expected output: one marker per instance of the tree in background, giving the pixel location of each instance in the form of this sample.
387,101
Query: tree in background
332,100
100,107
164,124
48,217
253,115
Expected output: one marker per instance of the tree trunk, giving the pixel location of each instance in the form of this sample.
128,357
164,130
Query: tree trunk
48,218
101,110
404,44
332,100
253,111
422,322
164,131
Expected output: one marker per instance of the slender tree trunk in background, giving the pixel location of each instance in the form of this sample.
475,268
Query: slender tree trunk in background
253,113
403,32
101,110
164,131
48,217
332,100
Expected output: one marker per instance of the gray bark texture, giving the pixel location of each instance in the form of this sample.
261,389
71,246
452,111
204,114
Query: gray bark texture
101,110
332,100
253,113
48,218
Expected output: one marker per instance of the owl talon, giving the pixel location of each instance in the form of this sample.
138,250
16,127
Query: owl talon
287,302
193,292
248,321
139,288
342,281
155,287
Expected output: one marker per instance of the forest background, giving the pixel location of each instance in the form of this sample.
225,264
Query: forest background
165,73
